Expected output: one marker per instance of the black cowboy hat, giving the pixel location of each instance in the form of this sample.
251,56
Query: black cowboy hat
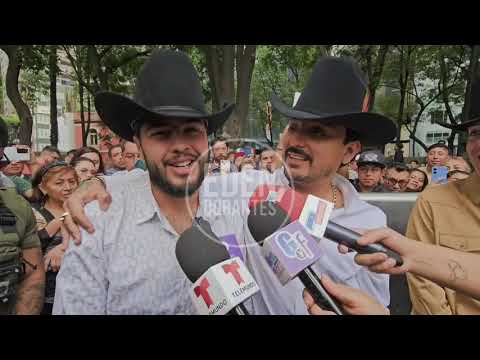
337,94
474,116
167,86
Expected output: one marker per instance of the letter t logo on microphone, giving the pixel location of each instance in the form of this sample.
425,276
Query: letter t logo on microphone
233,269
202,290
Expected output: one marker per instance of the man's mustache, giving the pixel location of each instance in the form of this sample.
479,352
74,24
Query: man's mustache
295,150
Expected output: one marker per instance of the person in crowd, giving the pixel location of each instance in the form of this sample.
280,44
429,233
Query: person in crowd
397,177
56,182
130,155
269,160
315,145
220,151
418,181
398,156
459,163
414,164
48,155
92,154
116,159
449,216
248,163
22,278
239,156
14,171
431,262
84,167
371,169
69,155
455,175
437,155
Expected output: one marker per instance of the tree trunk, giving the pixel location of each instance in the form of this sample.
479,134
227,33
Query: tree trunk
82,114
89,119
13,93
245,63
52,70
2,98
377,74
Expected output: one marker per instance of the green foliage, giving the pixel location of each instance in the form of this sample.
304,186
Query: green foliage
281,70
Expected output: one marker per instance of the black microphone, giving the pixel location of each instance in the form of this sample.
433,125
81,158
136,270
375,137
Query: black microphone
221,284
314,214
289,250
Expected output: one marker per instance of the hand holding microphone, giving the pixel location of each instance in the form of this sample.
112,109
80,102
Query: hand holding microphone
314,214
353,301
289,250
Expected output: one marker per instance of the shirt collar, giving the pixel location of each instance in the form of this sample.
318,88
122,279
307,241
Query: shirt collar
471,188
146,206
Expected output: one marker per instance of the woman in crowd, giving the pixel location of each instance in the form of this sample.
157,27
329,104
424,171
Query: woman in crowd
92,154
418,181
55,183
84,167
455,175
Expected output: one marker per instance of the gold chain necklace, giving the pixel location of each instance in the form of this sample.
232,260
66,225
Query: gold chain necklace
334,191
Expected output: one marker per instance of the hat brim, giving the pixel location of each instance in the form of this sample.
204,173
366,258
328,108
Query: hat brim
118,111
460,127
373,129
383,166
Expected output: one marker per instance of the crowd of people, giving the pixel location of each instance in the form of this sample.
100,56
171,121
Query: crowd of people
107,224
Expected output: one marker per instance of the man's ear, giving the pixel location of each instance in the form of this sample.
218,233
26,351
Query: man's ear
351,150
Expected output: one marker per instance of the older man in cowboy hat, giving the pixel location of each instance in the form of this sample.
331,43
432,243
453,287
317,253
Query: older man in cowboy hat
449,216
325,129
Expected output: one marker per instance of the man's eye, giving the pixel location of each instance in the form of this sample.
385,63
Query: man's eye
192,130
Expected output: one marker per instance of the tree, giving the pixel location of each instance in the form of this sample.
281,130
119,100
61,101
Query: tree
372,59
230,69
52,72
281,70
103,68
29,57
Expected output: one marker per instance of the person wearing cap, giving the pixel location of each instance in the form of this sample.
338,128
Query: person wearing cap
325,129
437,155
22,277
449,216
371,170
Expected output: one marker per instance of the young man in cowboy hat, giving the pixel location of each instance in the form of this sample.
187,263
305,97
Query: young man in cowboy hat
128,266
315,144
449,216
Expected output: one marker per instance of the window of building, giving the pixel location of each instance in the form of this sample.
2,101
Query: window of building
93,137
434,137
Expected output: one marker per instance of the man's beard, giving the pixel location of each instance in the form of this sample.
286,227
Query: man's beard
159,179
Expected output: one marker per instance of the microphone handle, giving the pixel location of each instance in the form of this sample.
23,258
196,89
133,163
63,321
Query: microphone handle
240,310
314,286
342,235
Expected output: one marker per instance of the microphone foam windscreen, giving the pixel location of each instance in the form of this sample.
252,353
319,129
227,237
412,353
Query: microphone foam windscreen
198,249
265,219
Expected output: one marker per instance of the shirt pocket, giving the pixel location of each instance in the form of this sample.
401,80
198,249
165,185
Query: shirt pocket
460,242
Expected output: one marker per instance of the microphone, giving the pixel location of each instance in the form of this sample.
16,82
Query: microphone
314,213
289,250
220,284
